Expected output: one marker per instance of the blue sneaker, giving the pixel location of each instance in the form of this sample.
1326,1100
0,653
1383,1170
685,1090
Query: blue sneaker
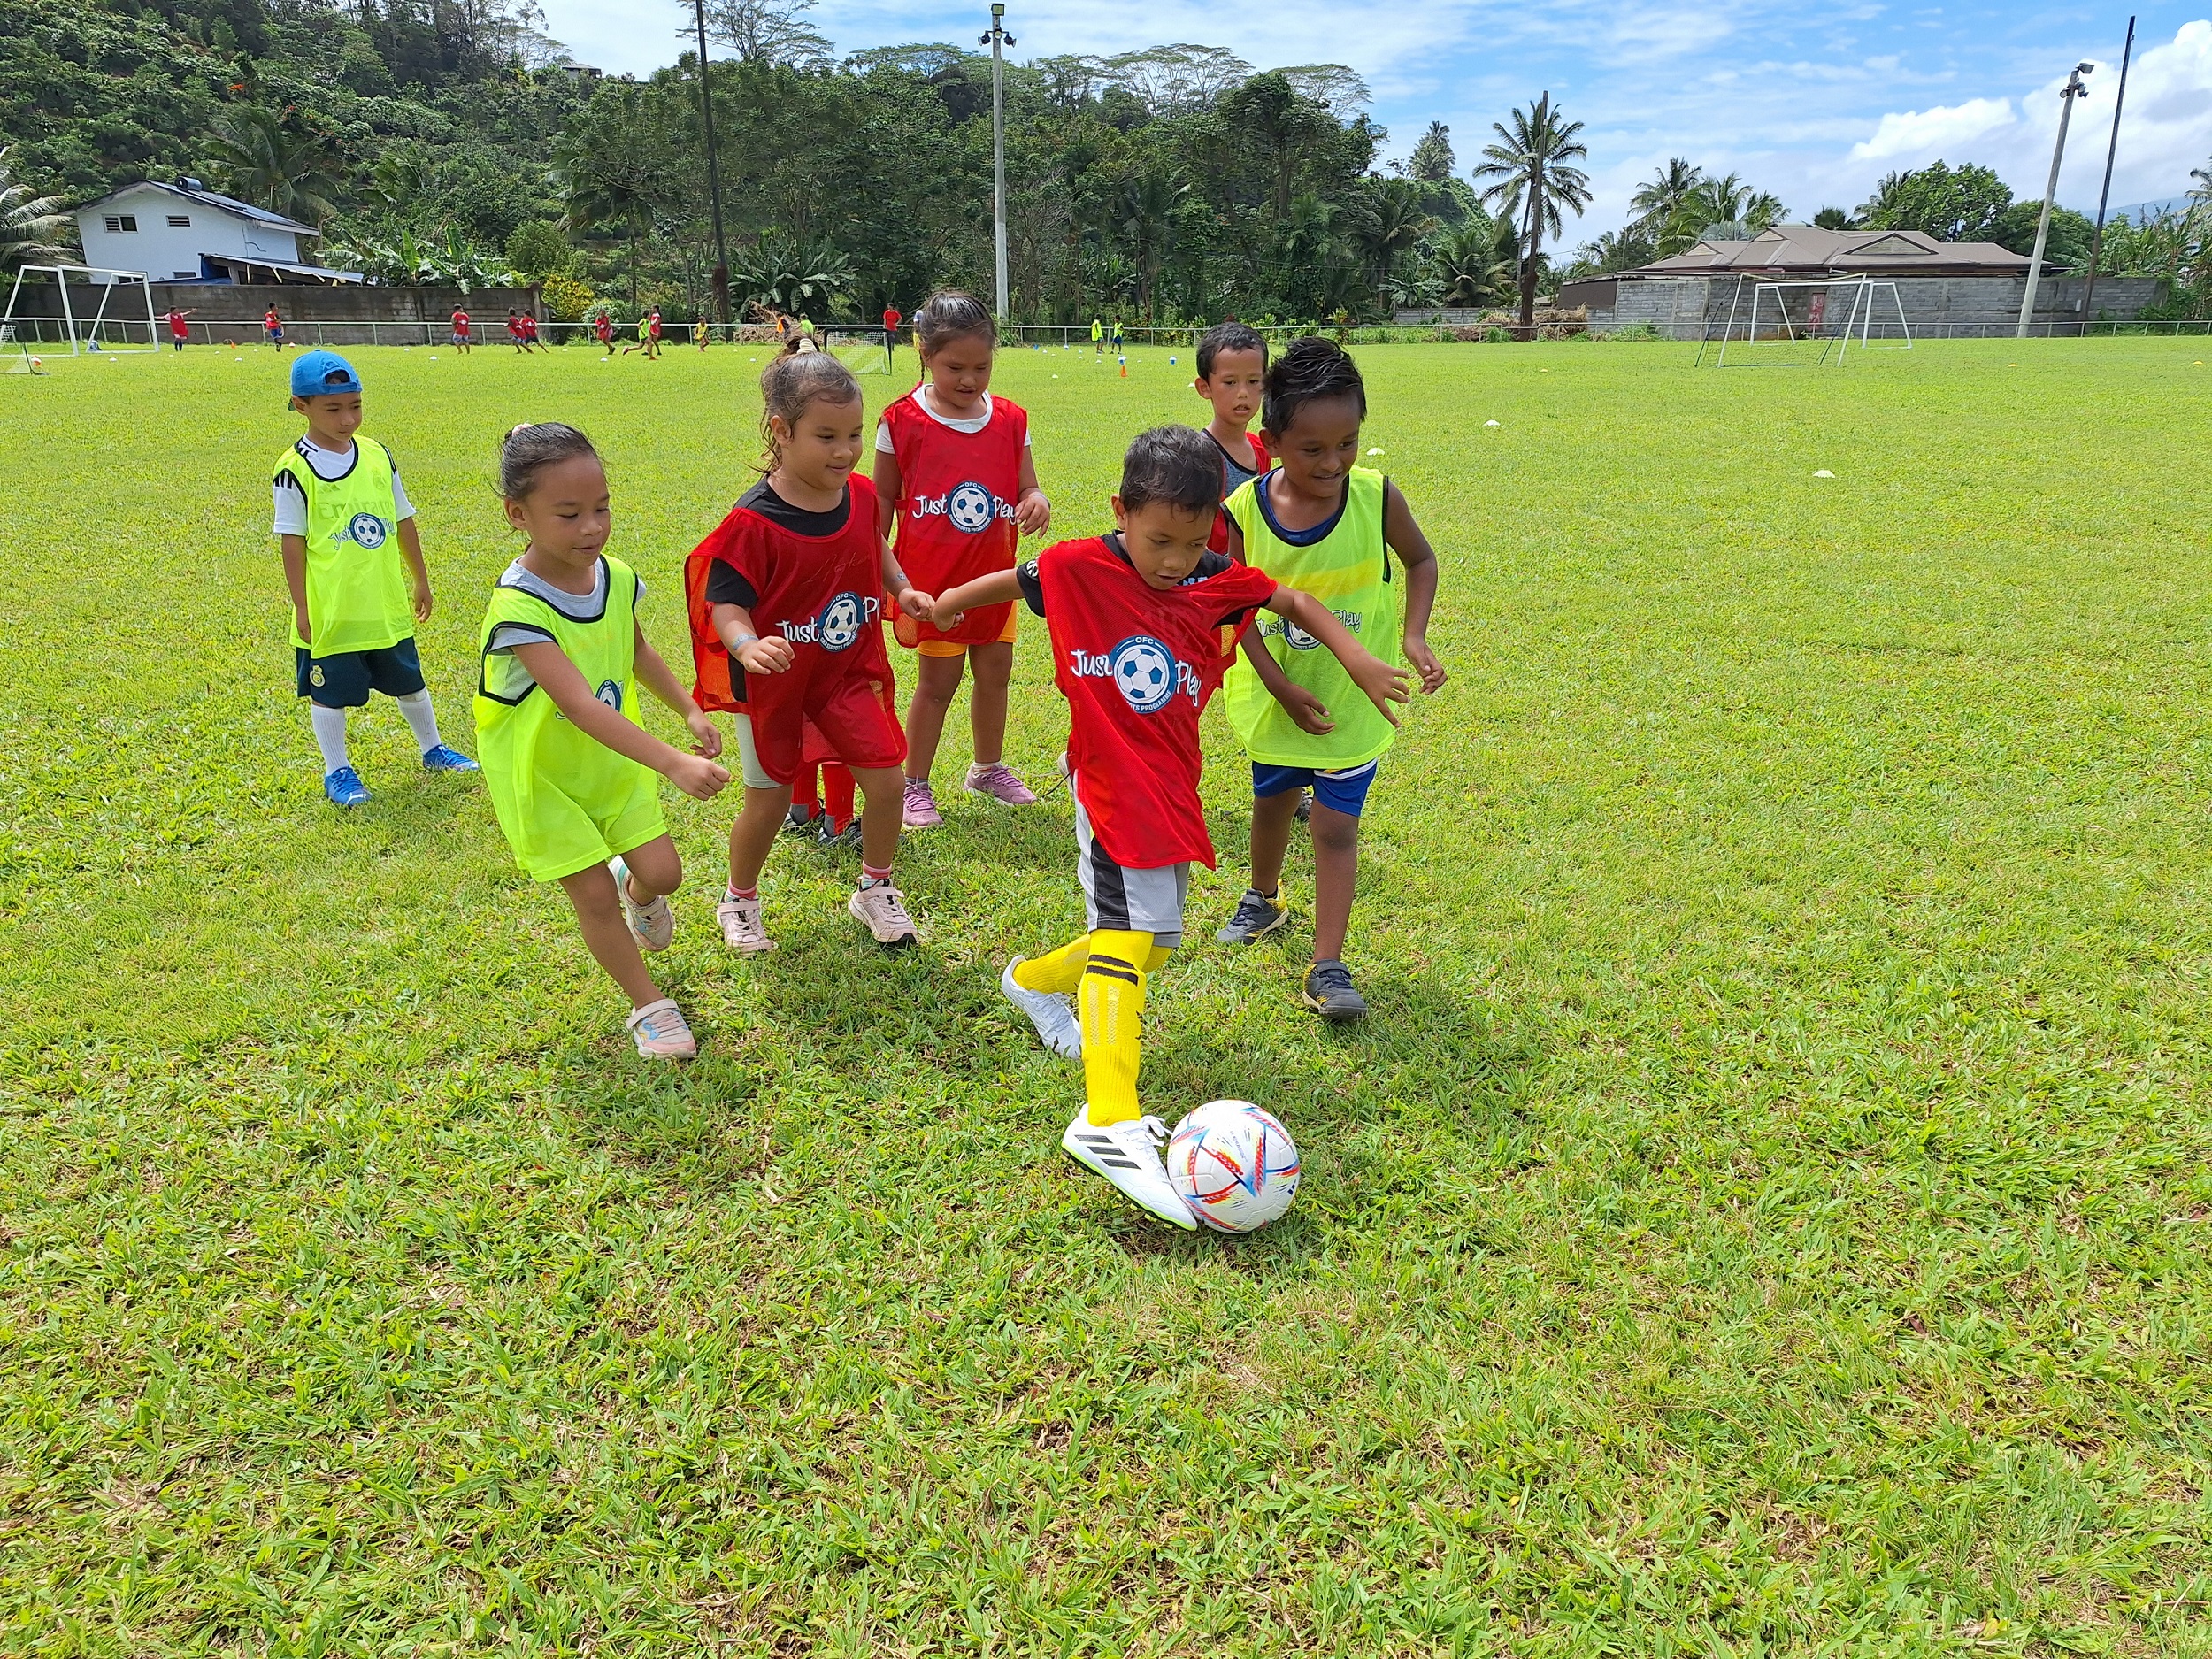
345,788
444,759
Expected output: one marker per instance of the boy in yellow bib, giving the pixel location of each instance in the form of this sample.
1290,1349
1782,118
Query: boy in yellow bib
353,562
1326,527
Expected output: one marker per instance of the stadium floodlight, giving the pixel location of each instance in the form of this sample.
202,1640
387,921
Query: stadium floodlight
2072,89
83,335
997,39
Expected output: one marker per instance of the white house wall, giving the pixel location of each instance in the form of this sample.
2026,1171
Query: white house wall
170,252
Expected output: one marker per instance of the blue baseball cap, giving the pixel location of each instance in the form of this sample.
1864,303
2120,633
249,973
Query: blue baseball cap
323,374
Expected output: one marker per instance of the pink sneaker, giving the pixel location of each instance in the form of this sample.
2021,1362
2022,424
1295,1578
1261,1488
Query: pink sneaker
662,1032
998,781
921,805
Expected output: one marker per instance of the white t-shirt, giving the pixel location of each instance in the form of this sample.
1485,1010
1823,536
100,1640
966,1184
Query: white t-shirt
972,425
330,465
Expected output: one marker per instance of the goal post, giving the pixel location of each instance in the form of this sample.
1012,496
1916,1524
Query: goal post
859,350
83,333
1809,321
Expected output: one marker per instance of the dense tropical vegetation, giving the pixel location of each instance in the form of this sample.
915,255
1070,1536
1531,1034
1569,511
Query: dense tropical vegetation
453,143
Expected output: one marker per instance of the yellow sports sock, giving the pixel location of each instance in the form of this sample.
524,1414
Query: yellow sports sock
1060,970
1156,957
1111,1005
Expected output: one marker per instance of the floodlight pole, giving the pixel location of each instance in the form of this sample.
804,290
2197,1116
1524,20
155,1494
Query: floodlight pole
996,40
2112,151
720,281
2073,90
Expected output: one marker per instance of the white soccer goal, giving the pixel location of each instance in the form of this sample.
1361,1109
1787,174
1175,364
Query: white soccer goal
85,333
1796,324
861,350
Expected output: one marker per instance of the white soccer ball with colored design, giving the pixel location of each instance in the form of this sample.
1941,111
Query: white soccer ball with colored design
1235,1164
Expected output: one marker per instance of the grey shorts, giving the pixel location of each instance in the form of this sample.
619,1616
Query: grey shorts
749,768
1126,901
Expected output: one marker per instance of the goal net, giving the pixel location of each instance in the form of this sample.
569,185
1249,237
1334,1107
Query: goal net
88,322
859,350
1805,324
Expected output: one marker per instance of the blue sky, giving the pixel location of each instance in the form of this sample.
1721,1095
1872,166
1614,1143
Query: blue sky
1814,104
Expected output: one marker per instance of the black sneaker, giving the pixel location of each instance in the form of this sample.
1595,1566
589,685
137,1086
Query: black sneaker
850,836
1304,813
1257,916
1329,993
801,820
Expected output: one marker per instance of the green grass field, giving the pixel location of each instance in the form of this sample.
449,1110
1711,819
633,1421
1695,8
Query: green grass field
1767,1212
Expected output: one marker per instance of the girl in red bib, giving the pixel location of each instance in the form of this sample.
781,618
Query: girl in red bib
953,468
786,600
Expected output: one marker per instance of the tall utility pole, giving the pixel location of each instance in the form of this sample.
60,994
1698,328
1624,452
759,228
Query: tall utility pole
2073,90
2112,151
996,40
721,279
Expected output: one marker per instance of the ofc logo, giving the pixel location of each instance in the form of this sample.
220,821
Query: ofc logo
1143,671
364,530
838,626
609,693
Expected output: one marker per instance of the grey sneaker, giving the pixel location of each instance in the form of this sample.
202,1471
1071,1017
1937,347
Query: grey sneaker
1329,993
1257,916
850,836
802,820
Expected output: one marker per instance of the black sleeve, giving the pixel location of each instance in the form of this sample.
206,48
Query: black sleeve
1033,589
727,586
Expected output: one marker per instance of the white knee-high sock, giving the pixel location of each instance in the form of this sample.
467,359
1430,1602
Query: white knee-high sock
330,735
416,706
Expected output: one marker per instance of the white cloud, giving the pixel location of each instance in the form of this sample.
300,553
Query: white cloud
1921,132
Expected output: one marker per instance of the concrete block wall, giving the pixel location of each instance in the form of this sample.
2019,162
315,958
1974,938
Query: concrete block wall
1686,308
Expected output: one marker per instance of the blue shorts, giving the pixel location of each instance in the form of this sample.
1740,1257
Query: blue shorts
1344,792
345,679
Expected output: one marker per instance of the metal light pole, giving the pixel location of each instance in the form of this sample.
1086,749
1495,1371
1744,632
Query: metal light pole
721,278
2073,90
996,40
2112,151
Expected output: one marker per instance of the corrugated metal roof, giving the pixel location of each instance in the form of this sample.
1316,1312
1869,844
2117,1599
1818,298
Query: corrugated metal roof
1807,248
208,198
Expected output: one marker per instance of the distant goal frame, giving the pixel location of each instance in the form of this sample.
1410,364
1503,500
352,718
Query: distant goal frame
68,318
1866,293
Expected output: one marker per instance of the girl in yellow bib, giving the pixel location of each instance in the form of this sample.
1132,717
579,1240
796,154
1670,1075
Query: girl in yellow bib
1322,524
569,767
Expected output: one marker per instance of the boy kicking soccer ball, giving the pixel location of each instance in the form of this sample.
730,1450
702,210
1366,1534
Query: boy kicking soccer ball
345,524
1143,623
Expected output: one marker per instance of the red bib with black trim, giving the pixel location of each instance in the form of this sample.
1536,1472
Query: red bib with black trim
1137,664
957,508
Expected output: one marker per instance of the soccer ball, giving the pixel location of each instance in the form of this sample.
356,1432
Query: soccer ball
1235,1164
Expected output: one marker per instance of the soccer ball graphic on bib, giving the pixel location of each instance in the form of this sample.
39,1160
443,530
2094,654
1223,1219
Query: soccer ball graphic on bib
1235,1164
366,530
839,625
969,507
1297,638
1144,673
609,693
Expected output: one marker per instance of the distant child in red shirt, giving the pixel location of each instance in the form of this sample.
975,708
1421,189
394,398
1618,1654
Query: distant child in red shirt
462,341
179,331
530,340
273,327
890,333
1231,376
786,599
603,325
953,464
1144,623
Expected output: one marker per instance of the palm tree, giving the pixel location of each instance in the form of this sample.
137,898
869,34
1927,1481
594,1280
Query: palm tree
1147,216
269,158
1469,266
2204,176
1725,206
1657,200
31,228
607,186
1393,223
1530,164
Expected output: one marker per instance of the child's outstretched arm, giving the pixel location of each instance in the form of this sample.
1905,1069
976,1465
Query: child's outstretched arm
1383,683
1000,587
733,624
1412,548
652,668
694,774
1307,712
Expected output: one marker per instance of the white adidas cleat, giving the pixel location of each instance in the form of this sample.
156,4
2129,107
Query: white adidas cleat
1128,1154
1048,1011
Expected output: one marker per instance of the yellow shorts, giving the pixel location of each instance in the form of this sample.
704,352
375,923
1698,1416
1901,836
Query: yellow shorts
955,647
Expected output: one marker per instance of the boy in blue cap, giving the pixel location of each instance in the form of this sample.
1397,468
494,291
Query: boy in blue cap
345,524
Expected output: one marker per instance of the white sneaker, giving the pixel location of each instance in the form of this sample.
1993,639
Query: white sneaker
663,1033
653,925
1128,1154
741,929
1049,1011
881,909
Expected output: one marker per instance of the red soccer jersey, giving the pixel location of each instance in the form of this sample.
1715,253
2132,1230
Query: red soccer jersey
956,511
460,322
529,325
177,323
1137,664
1217,538
603,328
822,596
890,316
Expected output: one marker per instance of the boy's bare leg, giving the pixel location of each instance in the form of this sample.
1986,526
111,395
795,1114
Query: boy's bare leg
1273,816
1335,873
599,915
935,679
987,705
755,832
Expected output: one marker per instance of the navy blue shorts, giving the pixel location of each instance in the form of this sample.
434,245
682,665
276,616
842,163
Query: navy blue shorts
344,681
1344,792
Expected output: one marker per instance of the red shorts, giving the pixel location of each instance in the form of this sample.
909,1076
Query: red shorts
849,719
